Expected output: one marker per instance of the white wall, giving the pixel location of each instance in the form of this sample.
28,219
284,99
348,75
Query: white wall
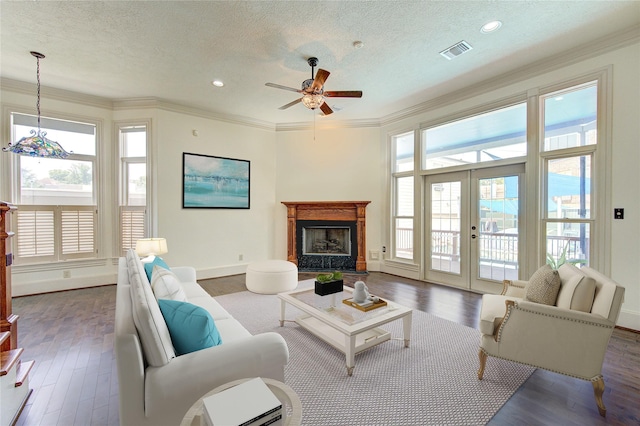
333,165
211,240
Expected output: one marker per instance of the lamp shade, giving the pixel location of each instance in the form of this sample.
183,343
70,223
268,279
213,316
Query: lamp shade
312,101
151,246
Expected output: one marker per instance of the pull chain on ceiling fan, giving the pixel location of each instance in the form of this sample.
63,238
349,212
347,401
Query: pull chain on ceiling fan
313,93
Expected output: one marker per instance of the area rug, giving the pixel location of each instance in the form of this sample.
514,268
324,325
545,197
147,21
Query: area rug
433,382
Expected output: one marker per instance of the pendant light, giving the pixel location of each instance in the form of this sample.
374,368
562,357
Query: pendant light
37,145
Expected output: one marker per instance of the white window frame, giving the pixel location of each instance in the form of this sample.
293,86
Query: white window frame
595,152
133,221
87,215
395,216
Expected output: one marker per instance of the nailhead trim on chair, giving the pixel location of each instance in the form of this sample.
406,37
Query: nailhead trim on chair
593,379
516,306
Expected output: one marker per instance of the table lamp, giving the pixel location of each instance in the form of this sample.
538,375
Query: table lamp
150,247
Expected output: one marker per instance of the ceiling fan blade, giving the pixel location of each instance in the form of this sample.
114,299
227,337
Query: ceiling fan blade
290,104
344,94
278,86
326,109
321,77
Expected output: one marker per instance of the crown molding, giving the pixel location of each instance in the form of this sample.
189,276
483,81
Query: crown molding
586,51
136,103
345,124
25,88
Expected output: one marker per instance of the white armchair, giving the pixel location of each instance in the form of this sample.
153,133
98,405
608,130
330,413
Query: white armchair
570,337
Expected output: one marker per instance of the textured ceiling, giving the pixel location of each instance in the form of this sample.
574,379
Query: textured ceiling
172,50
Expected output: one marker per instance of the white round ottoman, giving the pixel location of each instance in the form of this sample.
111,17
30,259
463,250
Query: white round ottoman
272,276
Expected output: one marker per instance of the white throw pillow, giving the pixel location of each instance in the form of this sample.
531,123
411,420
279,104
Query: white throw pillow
152,329
166,285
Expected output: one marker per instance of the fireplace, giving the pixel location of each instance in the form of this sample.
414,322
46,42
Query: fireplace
327,235
325,239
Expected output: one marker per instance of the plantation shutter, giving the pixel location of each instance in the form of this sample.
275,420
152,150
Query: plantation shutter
35,233
78,229
132,226
52,233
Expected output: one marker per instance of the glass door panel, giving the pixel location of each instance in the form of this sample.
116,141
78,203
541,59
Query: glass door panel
474,225
445,226
495,249
447,220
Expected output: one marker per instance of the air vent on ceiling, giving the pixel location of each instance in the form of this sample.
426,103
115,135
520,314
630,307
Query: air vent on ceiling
456,50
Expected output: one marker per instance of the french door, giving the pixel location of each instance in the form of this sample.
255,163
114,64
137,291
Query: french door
472,225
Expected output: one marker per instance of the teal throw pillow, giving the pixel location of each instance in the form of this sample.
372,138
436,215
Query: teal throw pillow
191,327
157,261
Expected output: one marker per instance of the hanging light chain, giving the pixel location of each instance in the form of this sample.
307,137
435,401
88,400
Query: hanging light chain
38,101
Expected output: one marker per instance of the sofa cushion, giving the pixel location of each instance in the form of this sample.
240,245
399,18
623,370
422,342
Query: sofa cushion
577,290
157,261
211,305
543,286
165,285
231,330
152,329
191,327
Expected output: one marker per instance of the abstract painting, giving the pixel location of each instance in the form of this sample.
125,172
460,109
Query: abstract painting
214,182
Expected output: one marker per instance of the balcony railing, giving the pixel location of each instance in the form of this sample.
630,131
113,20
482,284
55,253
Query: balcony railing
493,246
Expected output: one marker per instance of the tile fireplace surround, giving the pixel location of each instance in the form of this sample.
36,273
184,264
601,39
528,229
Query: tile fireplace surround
326,212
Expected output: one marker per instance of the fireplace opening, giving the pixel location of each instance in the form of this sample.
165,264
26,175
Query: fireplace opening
326,240
326,245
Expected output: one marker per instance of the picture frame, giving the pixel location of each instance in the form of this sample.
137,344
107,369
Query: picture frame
210,182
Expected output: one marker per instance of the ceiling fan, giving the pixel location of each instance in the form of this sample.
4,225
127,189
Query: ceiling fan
313,93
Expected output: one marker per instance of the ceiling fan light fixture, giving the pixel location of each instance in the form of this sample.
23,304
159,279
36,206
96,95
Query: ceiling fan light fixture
312,101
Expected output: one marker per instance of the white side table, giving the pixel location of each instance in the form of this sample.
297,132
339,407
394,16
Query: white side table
291,405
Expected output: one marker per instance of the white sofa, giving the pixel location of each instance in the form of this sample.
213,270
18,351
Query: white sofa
156,387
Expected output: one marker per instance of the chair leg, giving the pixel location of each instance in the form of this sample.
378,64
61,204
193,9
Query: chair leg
598,390
483,361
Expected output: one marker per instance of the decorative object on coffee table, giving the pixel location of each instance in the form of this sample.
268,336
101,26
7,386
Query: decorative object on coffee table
329,283
367,306
361,292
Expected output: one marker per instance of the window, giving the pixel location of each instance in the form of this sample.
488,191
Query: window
403,148
570,118
133,185
570,142
492,136
57,211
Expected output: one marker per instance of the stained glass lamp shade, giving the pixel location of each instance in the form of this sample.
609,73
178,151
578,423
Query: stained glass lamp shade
37,145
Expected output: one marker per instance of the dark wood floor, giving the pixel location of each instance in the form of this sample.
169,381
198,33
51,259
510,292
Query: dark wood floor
70,336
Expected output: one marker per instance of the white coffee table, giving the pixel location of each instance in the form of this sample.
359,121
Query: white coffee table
291,404
346,328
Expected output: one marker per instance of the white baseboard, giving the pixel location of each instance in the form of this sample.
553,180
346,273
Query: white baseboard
629,319
49,286
221,271
401,269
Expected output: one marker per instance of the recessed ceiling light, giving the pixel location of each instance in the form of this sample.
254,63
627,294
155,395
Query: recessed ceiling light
358,44
490,27
217,83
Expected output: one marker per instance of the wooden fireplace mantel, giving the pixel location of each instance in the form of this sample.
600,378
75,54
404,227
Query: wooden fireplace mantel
328,210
